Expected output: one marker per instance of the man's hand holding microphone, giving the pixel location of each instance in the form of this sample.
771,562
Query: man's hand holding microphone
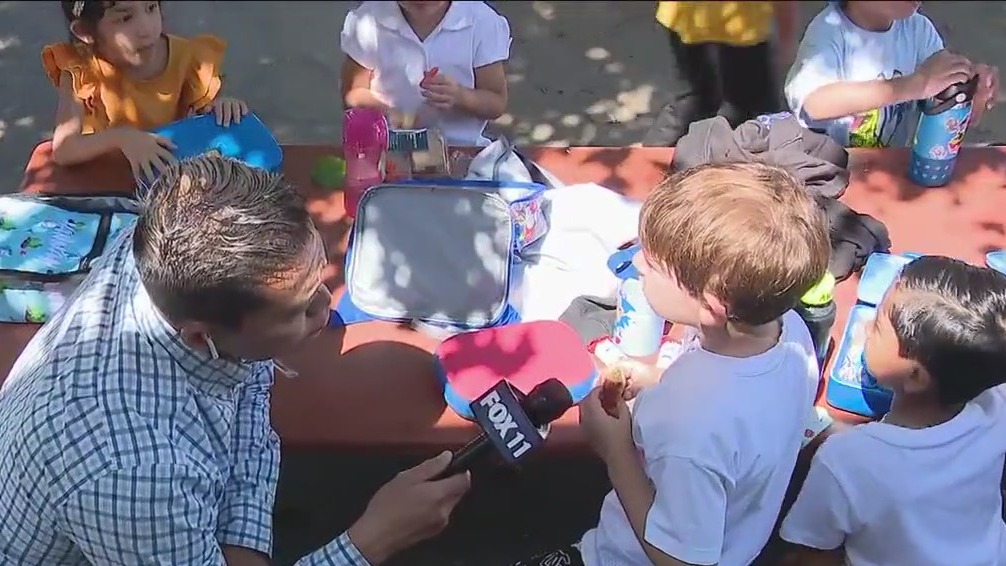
410,508
418,502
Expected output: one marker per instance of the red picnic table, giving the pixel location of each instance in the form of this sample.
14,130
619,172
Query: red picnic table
373,384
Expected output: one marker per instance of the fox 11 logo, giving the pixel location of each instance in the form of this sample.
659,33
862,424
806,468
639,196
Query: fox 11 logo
499,413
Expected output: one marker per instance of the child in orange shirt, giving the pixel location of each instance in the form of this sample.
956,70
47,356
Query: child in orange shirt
121,75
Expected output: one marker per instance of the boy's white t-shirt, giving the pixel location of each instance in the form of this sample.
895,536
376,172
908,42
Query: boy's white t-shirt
719,438
902,497
471,35
834,49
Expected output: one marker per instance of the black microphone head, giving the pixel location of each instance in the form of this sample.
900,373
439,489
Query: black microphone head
547,402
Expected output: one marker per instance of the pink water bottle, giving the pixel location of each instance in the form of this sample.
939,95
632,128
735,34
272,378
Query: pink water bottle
364,147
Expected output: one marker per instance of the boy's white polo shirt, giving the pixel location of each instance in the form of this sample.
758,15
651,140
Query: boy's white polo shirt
471,35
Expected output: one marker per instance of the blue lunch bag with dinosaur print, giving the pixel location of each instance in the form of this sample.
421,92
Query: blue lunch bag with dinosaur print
47,247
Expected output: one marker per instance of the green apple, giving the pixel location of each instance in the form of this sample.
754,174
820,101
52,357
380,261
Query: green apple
329,172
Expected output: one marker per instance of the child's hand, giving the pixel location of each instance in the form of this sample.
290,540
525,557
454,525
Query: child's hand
638,376
987,93
938,72
623,380
228,110
147,153
441,91
610,437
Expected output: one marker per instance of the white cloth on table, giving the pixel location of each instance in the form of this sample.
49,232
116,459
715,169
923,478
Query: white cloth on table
587,223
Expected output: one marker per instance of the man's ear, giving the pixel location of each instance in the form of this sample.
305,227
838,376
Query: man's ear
714,312
80,31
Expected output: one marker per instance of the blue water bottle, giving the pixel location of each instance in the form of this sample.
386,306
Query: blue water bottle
940,133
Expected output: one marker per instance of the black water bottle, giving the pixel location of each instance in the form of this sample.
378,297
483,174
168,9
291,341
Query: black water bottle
817,308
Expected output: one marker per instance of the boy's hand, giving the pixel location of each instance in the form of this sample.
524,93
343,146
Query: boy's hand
987,93
609,437
637,375
441,91
938,72
228,110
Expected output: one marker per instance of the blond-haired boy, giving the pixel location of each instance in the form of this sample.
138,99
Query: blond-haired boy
701,463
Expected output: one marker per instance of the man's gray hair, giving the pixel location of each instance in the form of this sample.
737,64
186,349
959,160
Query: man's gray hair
213,231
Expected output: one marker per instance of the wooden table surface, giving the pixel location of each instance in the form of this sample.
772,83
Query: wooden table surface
373,384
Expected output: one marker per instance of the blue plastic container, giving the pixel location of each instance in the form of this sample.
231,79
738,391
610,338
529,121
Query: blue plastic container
850,387
878,275
250,141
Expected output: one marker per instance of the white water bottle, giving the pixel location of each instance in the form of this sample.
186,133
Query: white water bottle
638,330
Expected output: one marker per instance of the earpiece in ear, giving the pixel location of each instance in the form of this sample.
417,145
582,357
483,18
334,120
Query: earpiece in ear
284,369
214,353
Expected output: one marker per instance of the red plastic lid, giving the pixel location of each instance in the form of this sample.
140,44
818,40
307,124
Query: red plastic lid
524,354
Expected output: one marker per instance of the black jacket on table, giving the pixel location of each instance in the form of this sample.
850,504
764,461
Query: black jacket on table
814,158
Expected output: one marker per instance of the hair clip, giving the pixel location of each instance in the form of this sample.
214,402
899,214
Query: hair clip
78,8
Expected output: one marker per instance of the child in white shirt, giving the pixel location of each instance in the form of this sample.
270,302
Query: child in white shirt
862,65
701,465
922,486
440,62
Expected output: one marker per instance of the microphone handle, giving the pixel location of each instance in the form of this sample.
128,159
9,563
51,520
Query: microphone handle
463,458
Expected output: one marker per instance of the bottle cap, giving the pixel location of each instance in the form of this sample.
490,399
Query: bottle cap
821,293
957,93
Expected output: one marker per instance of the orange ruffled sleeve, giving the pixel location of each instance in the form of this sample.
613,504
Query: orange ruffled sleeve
65,57
203,77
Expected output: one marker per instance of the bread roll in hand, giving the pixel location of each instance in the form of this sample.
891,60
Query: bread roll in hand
613,384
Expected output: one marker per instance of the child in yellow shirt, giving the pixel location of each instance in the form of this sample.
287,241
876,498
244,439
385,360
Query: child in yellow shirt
121,75
723,62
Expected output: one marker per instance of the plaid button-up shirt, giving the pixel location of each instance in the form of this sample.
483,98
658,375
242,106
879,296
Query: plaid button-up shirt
121,446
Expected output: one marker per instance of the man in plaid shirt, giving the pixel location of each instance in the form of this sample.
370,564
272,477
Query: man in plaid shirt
134,427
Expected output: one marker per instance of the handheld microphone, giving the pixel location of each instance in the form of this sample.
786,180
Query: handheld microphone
511,423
